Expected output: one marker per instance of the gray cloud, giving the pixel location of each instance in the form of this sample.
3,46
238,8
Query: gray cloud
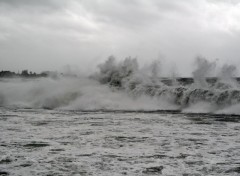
233,2
49,34
55,4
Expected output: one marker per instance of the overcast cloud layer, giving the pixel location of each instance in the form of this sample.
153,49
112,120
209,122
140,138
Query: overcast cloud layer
46,35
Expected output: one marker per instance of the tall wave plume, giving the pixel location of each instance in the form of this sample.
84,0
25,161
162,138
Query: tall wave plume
125,86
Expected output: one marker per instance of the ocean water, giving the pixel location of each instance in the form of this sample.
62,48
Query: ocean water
64,142
121,121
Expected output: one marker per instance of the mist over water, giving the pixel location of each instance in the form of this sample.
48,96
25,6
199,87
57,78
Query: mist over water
125,86
71,94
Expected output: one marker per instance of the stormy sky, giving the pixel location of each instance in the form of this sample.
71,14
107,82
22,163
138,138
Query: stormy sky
49,34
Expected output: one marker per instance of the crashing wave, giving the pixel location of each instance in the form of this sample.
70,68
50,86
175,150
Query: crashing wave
219,91
125,86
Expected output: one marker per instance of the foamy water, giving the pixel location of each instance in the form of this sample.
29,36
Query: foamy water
50,142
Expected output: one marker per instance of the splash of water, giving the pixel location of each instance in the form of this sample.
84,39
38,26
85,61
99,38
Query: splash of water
72,94
125,86
204,69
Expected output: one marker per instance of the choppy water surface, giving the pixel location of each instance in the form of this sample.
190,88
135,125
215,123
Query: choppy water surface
44,142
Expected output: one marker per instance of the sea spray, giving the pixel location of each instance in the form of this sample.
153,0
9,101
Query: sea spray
125,85
218,91
203,70
72,94
226,76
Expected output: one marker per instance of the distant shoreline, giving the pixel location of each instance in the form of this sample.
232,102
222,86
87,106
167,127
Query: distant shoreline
30,74
23,74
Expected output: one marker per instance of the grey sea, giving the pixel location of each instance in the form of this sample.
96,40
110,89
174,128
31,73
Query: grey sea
54,142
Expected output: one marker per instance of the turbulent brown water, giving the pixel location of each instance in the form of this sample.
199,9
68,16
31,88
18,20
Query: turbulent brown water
60,142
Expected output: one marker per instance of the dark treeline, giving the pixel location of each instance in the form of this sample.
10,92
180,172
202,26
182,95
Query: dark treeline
24,73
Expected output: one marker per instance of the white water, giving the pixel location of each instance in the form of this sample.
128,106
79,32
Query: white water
54,142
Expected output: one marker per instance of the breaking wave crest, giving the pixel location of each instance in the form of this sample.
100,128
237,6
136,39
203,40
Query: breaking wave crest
125,86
